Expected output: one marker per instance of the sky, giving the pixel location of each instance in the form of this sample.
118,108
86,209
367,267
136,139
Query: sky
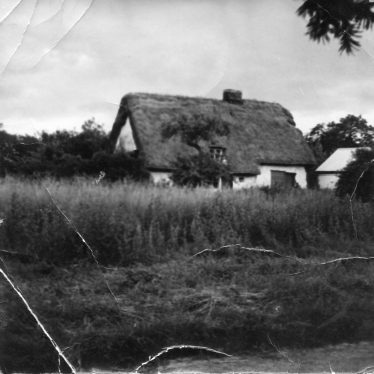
63,62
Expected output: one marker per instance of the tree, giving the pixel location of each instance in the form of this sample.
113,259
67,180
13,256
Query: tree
14,147
64,154
194,128
357,178
199,169
91,139
350,131
340,19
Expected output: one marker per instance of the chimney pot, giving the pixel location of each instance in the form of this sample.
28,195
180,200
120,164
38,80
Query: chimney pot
232,96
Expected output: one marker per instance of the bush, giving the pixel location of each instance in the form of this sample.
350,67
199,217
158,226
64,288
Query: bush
358,176
200,170
67,154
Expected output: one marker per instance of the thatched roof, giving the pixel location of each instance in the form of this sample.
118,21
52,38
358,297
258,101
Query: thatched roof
259,132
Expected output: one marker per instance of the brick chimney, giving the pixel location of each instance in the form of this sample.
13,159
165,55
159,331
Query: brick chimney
232,96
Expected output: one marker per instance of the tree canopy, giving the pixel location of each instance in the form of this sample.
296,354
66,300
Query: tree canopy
350,131
193,128
199,169
357,178
340,19
66,154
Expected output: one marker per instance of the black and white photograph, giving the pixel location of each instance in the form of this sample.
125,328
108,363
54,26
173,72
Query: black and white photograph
186,186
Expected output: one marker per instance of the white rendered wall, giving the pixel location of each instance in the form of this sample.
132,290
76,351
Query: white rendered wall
328,180
264,178
161,177
246,182
125,140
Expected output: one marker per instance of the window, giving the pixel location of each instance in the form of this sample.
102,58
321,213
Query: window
218,154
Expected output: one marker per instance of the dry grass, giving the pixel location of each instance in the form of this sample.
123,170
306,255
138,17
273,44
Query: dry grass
127,222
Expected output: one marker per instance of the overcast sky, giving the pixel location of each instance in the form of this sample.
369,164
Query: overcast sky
65,61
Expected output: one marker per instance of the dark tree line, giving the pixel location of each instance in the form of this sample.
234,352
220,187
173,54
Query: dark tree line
64,154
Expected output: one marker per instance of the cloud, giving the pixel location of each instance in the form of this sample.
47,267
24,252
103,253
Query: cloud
192,48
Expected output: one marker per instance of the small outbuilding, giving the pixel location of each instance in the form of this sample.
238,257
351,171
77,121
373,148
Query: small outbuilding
329,171
263,147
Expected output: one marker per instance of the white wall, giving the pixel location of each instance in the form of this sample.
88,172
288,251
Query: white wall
125,140
161,177
264,178
328,180
239,183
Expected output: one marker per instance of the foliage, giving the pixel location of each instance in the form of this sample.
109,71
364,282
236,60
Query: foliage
200,170
14,147
117,166
194,128
340,19
165,296
358,176
64,154
350,131
128,223
91,139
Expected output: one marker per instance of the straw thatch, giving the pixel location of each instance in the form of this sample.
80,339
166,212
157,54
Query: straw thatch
259,132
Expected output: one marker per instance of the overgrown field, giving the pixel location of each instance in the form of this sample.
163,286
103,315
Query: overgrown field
130,223
145,237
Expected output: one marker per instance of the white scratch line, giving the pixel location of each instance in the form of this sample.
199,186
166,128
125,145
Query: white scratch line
367,370
175,347
336,261
57,348
64,36
280,352
23,37
353,195
71,223
62,3
11,11
247,249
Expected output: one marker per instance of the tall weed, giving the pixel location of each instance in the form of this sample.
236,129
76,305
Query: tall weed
136,223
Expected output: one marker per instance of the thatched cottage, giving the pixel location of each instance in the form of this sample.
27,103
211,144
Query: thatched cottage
262,147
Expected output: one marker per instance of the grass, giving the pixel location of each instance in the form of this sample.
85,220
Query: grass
145,236
232,305
131,223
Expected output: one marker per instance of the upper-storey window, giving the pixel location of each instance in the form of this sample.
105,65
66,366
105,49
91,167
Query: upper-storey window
218,154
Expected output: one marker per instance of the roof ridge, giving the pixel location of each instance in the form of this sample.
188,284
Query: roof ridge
177,96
